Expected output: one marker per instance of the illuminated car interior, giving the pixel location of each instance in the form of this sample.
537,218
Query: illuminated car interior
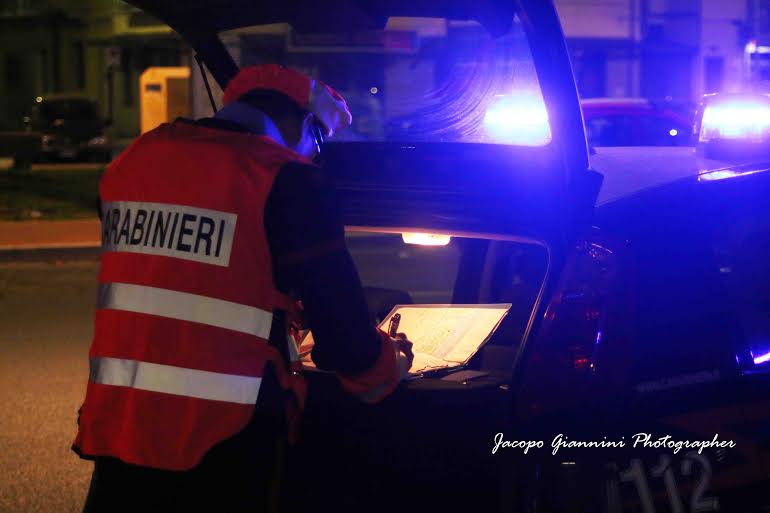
469,269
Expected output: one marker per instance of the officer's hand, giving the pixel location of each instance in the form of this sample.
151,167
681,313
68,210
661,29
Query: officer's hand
404,345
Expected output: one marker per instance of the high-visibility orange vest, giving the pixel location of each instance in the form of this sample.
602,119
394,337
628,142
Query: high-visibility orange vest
186,296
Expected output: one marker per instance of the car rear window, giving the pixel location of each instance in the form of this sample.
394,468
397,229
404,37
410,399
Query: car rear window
420,79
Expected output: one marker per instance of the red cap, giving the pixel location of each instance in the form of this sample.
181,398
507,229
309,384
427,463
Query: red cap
313,95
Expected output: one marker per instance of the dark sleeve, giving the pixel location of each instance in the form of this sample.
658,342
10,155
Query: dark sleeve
307,244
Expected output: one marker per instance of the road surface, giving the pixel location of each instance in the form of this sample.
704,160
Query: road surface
45,330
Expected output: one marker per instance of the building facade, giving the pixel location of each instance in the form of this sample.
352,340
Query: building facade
659,49
666,49
96,49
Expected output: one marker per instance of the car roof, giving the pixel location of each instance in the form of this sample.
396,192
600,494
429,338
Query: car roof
628,170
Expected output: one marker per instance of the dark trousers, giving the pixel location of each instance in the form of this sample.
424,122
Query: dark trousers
241,474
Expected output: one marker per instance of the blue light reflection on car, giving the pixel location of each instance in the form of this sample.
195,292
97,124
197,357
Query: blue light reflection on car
763,358
520,119
724,174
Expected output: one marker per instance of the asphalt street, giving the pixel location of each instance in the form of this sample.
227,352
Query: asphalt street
46,313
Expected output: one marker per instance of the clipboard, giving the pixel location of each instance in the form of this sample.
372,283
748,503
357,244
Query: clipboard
446,336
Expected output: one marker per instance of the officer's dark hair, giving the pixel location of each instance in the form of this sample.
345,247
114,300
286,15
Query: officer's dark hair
277,106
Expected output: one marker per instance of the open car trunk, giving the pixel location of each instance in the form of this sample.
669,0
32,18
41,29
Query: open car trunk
547,191
429,444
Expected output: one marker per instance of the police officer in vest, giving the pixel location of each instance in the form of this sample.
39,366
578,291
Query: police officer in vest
208,227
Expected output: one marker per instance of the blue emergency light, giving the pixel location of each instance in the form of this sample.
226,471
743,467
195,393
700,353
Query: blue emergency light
741,118
519,119
735,125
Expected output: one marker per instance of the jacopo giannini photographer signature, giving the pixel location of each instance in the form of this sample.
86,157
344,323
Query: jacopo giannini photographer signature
637,441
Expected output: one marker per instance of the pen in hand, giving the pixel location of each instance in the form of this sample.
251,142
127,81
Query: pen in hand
403,343
393,325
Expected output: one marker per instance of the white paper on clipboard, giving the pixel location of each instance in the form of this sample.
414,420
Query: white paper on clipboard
446,335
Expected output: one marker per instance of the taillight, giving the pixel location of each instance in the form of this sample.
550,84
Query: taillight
578,305
565,350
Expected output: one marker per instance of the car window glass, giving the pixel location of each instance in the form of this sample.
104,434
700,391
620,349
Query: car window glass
515,275
67,110
421,79
661,131
610,130
425,273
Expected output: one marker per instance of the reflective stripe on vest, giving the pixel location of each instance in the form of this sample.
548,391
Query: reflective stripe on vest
168,379
186,307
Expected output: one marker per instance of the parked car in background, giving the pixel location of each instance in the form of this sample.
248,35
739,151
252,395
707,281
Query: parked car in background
636,122
71,128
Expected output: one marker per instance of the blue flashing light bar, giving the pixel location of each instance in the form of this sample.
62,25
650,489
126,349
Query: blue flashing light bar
745,118
724,174
519,119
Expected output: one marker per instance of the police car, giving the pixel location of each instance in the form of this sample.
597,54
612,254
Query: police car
631,372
